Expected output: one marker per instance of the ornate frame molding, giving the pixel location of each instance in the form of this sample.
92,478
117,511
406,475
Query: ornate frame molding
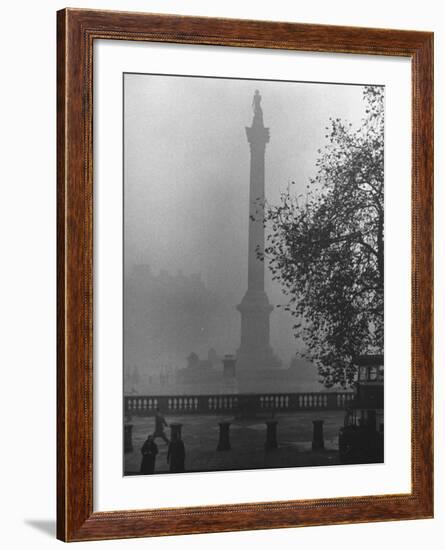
76,32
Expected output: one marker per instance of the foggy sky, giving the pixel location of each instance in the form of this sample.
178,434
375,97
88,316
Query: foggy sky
186,176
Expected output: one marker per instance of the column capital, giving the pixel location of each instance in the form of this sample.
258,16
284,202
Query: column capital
257,136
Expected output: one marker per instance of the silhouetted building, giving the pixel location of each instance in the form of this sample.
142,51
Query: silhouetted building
192,361
166,316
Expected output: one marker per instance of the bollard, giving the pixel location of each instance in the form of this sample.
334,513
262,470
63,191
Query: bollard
224,437
271,435
175,430
128,443
317,438
176,450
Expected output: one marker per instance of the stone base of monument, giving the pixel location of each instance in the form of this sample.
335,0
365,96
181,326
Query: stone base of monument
247,379
272,380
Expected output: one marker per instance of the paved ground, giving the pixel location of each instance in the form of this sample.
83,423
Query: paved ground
200,435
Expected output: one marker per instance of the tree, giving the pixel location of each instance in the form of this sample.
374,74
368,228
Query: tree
326,248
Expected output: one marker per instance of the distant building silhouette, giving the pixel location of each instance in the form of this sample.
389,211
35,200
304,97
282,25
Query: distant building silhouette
166,316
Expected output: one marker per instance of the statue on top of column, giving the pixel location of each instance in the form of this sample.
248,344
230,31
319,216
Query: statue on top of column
256,104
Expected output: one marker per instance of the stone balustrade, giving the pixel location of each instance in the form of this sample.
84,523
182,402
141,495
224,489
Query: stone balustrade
144,405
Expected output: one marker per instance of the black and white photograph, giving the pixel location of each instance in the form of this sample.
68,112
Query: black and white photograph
253,274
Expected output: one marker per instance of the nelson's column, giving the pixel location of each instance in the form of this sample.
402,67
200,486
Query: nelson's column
255,353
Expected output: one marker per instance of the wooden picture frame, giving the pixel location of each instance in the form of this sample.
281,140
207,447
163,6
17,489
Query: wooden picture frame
76,32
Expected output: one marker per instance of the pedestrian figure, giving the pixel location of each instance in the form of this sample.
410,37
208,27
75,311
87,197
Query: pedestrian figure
160,422
176,454
149,451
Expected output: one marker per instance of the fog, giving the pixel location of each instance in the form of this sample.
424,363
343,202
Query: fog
186,185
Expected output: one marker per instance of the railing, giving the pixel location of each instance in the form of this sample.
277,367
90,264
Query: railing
144,405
